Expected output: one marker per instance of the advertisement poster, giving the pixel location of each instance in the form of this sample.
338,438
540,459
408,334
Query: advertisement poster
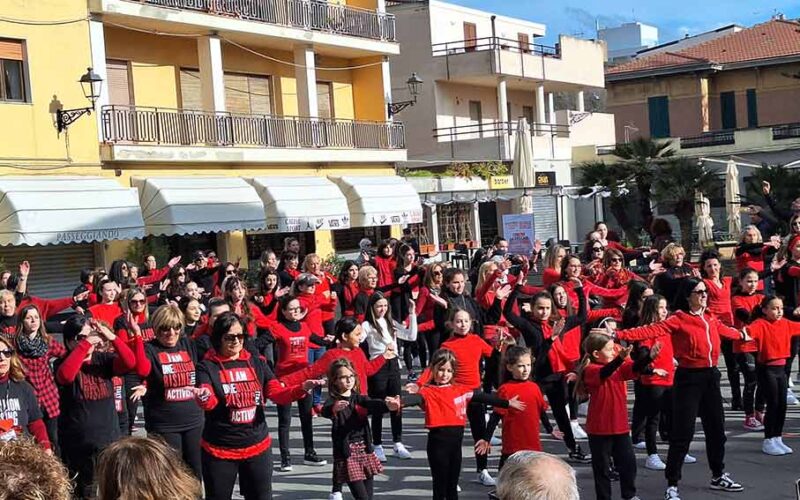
518,230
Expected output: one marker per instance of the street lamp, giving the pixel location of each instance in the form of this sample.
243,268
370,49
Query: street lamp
414,83
92,85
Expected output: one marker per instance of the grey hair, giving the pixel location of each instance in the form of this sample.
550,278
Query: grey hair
535,475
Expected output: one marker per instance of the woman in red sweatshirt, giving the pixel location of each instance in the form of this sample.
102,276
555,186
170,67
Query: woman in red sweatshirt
346,287
695,339
107,309
744,303
571,267
385,262
235,294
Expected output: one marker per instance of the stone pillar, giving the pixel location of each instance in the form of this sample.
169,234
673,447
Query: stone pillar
387,87
551,107
540,108
212,77
581,105
306,76
502,117
705,115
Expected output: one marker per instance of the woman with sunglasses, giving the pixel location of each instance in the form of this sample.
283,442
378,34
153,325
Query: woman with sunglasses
202,270
88,420
695,334
614,275
572,270
19,408
169,371
232,388
229,270
592,258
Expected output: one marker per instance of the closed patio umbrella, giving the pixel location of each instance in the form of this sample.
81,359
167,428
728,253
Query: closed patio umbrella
732,199
705,224
522,167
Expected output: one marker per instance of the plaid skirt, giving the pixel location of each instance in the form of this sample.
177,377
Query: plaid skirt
359,466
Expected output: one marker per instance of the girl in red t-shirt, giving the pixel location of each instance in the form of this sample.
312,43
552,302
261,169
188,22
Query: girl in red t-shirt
603,375
744,304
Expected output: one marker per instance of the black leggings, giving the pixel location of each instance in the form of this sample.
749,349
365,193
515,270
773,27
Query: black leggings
772,382
409,351
732,368
444,459
556,392
651,401
422,349
434,339
795,350
618,447
386,382
51,424
752,395
696,392
573,401
361,490
187,444
131,381
255,476
476,414
285,422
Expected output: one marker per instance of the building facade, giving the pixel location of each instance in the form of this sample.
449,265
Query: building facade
626,40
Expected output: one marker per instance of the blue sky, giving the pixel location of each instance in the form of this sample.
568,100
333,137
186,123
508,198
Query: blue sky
673,18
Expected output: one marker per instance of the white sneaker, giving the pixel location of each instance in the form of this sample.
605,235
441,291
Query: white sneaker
485,479
790,383
379,453
583,409
335,496
791,399
577,431
641,445
496,441
654,462
458,488
401,452
771,447
672,493
782,445
688,459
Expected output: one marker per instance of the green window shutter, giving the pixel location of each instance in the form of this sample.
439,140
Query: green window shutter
727,101
658,109
752,108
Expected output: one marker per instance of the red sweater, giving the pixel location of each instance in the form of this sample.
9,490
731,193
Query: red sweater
292,348
664,360
719,300
550,276
520,427
317,307
742,305
695,337
608,399
385,267
445,405
590,288
774,339
324,285
468,350
364,368
106,312
47,307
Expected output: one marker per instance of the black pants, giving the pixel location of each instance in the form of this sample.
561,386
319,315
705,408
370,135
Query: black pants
409,352
131,381
386,382
187,444
285,422
696,392
444,459
422,349
620,448
361,490
51,424
476,414
772,382
732,368
255,476
752,396
556,392
573,401
651,401
795,350
80,459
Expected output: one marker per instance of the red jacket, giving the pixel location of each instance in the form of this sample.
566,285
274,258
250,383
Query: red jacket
47,307
385,267
743,307
550,276
695,337
664,360
364,368
774,339
719,300
608,399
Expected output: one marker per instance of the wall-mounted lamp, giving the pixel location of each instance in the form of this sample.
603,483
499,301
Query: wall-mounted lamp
92,85
414,83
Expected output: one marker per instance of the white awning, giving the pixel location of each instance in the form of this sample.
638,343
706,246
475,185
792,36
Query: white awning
380,200
187,205
295,204
45,210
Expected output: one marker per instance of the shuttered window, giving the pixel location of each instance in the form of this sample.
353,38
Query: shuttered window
12,71
524,42
248,94
658,114
55,270
324,99
752,108
727,106
191,98
470,35
119,90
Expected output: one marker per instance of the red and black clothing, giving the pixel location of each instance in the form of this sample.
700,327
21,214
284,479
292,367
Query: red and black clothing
133,378
743,307
519,427
19,412
36,357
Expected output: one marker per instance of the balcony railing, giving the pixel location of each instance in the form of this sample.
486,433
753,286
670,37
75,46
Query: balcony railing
788,131
314,15
496,129
180,127
707,139
494,43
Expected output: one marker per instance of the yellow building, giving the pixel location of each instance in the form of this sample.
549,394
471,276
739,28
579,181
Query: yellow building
231,129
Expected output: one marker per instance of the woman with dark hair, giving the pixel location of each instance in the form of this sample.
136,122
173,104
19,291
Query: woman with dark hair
235,294
571,269
638,291
455,296
269,292
202,270
232,388
288,269
228,270
346,287
87,285
88,412
661,232
408,279
107,308
695,334
192,310
385,262
175,285
119,273
592,257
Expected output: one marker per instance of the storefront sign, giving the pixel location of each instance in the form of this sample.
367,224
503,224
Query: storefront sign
518,229
545,179
501,182
299,224
94,235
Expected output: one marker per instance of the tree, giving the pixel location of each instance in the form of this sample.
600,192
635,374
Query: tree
641,158
784,184
613,177
675,184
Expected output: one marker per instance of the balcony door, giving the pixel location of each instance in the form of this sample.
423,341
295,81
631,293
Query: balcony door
121,124
475,119
470,36
524,42
727,106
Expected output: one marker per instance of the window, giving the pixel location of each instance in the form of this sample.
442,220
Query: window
527,112
346,240
119,83
12,71
524,42
247,94
191,95
475,116
727,107
658,111
752,108
470,36
325,99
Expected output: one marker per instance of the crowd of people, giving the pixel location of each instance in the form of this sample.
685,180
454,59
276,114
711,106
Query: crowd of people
202,350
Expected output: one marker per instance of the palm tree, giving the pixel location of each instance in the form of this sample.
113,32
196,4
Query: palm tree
676,182
641,158
613,177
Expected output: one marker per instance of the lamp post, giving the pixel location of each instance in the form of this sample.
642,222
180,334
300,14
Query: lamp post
92,85
414,83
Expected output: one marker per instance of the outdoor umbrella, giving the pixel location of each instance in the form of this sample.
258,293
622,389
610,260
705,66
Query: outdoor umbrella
522,168
705,224
732,199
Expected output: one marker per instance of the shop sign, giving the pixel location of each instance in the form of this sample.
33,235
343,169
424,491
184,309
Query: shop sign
92,235
501,182
545,179
518,229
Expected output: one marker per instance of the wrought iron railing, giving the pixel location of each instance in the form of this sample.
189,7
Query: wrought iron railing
496,129
148,125
314,15
706,139
494,43
788,131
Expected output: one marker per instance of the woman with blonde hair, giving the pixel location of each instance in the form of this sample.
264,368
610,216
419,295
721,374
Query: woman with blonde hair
552,264
139,468
29,473
677,270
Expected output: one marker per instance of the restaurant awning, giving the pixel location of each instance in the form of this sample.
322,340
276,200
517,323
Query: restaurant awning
301,203
380,200
45,210
187,205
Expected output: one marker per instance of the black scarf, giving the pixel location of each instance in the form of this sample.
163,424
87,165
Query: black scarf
35,347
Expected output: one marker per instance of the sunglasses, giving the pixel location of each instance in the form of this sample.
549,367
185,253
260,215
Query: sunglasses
7,353
616,259
597,249
233,338
181,274
81,336
700,292
137,301
230,273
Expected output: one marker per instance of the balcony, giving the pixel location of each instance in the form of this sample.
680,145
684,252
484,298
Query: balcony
137,133
708,139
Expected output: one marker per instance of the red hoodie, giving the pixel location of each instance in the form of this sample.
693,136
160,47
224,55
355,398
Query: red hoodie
385,267
608,399
719,300
742,305
774,339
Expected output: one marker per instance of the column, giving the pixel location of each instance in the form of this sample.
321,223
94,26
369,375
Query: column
433,226
502,117
551,105
387,87
323,241
97,45
476,222
581,105
232,246
540,110
212,77
705,115
306,75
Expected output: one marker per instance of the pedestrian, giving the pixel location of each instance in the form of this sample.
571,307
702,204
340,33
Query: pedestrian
132,325
745,302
